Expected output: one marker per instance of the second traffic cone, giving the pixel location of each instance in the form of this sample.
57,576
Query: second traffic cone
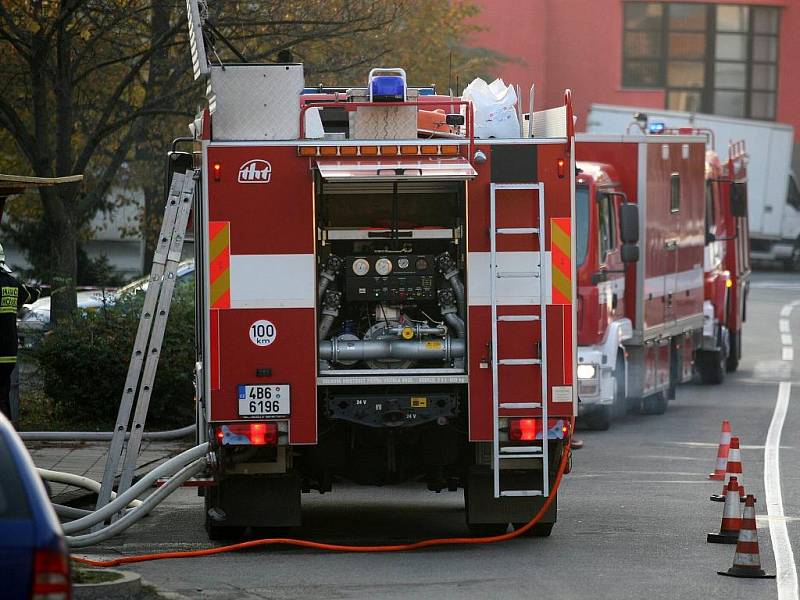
722,452
747,560
733,469
731,517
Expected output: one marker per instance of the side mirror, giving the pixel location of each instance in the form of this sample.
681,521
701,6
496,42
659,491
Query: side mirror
454,119
629,253
739,199
629,223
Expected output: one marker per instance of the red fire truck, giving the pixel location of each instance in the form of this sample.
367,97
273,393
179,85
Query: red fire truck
640,310
726,264
381,296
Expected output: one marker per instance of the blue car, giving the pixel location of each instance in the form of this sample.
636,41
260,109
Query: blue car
34,561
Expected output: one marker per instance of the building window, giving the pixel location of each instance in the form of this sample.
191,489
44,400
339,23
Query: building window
715,58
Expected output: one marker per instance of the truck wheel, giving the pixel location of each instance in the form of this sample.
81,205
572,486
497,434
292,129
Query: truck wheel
488,529
538,530
711,366
736,351
655,404
620,406
598,419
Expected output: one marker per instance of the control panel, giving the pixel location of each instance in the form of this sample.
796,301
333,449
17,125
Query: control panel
395,279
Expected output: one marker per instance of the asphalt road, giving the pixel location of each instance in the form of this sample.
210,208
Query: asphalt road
633,515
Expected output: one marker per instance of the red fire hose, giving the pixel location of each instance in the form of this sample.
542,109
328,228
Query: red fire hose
346,548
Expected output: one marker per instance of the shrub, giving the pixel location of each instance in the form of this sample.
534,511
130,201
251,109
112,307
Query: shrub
84,362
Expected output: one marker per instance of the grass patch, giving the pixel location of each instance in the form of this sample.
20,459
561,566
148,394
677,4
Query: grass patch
94,576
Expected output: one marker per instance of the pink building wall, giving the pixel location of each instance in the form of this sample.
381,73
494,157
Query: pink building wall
577,44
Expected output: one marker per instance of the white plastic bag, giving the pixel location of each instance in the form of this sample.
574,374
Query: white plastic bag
495,113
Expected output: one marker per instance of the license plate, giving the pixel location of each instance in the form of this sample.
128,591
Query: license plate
264,400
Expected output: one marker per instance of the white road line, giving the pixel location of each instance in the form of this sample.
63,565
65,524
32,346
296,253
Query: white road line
778,532
781,546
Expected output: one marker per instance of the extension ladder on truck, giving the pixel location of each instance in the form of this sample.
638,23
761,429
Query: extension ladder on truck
512,453
149,337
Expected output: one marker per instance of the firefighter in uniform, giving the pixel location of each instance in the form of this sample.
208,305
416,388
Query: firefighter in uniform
12,296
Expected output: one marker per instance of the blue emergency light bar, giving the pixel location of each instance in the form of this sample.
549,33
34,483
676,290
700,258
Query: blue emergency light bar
655,127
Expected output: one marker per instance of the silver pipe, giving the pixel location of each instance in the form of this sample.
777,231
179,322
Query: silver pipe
419,330
345,350
325,324
457,324
163,470
101,436
135,515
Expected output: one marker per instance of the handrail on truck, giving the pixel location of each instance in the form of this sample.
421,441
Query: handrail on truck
351,106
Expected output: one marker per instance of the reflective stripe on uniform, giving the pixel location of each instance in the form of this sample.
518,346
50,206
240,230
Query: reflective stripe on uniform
6,360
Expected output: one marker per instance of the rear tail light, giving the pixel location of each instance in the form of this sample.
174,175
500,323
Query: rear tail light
521,430
248,434
51,579
561,165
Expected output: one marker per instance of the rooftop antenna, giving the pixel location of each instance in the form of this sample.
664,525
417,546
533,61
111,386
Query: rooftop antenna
450,74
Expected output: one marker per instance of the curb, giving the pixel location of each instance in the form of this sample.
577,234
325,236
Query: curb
129,586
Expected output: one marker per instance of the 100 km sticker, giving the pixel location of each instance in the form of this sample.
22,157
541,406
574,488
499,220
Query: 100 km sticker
263,332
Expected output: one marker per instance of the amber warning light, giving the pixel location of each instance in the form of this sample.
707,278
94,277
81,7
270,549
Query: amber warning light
217,168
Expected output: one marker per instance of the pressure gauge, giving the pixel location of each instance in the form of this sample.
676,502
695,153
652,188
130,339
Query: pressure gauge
383,266
402,262
422,264
361,266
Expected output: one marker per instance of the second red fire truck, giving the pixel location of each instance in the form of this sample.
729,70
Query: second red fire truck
648,319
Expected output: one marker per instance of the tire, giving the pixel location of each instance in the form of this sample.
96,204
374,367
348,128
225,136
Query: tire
538,530
793,263
736,351
487,529
598,419
655,404
217,531
620,407
711,366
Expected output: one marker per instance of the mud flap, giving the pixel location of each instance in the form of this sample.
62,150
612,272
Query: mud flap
483,508
256,501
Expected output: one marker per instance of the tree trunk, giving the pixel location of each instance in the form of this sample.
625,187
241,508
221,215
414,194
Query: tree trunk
63,250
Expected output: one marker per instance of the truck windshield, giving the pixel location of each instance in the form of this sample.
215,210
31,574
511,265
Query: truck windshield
581,223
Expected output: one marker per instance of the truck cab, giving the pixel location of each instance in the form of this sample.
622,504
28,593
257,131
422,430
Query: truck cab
602,322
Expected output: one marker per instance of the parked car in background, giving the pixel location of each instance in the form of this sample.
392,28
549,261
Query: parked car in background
34,560
34,320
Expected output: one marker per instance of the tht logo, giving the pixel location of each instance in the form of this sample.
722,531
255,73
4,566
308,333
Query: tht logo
255,171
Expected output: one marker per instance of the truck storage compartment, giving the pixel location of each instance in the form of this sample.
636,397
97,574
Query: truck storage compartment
391,284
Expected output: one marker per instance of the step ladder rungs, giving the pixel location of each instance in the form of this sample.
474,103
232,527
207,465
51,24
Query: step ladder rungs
520,493
517,230
520,405
518,318
517,274
529,456
519,361
521,450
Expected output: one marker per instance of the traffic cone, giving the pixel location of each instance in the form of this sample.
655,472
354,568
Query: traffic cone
747,561
731,517
722,452
732,469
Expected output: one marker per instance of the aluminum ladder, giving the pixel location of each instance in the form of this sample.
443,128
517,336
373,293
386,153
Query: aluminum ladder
507,453
149,338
